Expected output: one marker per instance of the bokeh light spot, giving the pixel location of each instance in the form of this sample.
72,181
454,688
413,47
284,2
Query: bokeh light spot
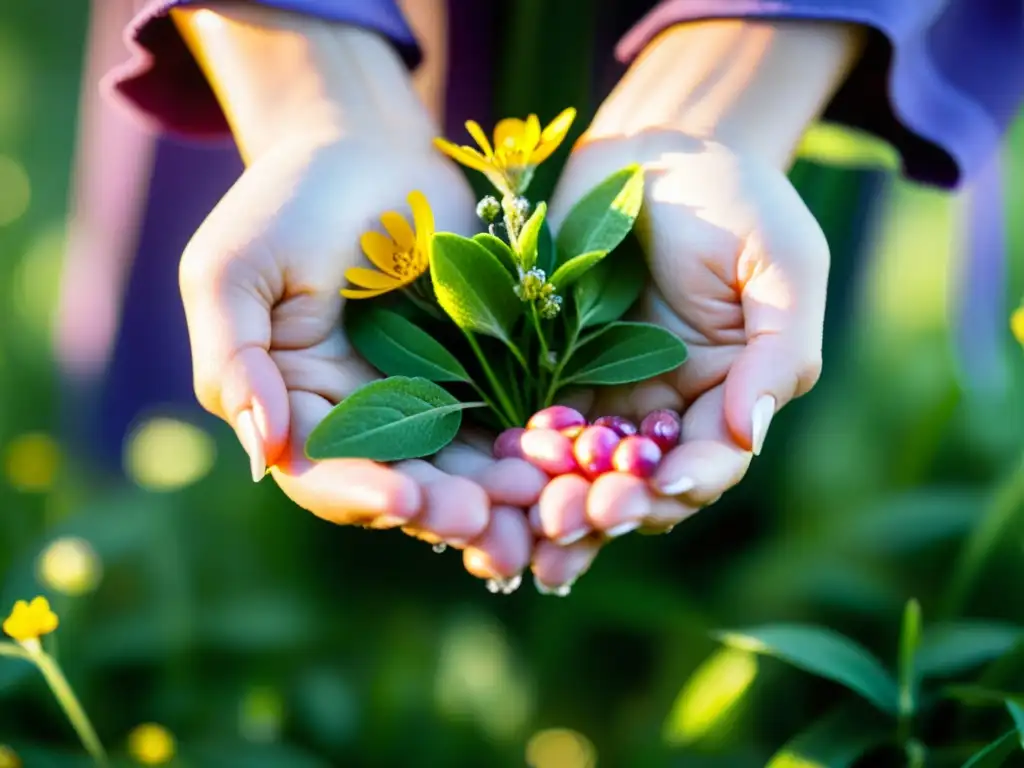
15,190
36,283
710,695
8,757
560,748
31,462
1017,324
151,744
261,715
69,566
166,454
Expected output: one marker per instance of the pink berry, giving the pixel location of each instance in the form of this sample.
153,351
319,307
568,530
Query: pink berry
637,455
556,417
573,432
506,445
548,450
594,448
623,427
663,428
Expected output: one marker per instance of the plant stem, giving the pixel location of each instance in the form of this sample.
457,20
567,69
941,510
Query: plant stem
69,703
492,405
544,350
1003,508
570,347
499,391
14,651
422,303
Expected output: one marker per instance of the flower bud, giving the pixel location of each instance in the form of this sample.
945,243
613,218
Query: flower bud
593,450
550,306
549,451
663,427
507,444
488,209
637,455
556,417
531,284
521,208
623,427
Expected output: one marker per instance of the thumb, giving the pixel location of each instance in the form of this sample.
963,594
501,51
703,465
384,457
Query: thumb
228,298
783,302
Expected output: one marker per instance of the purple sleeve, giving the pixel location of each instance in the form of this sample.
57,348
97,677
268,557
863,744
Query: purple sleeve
165,84
941,80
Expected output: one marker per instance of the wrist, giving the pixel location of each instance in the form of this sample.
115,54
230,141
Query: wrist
752,85
279,76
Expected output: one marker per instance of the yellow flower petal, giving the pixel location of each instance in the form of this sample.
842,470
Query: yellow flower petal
479,137
399,229
1017,324
380,250
553,135
508,132
359,293
371,278
29,621
531,135
423,220
467,156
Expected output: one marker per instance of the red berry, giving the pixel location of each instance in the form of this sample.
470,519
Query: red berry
637,455
623,427
556,417
549,451
506,445
663,427
594,448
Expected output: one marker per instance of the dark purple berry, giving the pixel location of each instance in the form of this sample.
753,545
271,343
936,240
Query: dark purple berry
507,444
637,455
594,448
663,427
622,426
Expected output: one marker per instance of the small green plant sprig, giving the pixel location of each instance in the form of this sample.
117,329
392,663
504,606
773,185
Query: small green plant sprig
505,322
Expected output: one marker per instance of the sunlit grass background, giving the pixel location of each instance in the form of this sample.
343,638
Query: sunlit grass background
208,622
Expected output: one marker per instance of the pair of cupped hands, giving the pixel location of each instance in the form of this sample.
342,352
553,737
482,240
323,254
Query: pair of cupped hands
739,269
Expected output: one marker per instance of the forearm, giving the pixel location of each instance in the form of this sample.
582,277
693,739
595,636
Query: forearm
754,85
279,75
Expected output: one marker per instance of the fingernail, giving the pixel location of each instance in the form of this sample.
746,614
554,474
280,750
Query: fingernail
678,487
572,538
622,529
248,434
764,409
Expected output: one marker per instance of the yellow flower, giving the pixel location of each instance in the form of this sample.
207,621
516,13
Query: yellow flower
401,256
1017,324
151,744
519,147
30,621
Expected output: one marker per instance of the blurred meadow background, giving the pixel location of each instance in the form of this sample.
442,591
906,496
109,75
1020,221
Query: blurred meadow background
206,621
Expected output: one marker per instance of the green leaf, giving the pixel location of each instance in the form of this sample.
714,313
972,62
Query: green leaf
821,652
996,753
910,639
397,347
951,648
473,287
975,695
499,249
625,352
837,740
575,268
389,420
529,235
604,216
606,292
1017,713
546,248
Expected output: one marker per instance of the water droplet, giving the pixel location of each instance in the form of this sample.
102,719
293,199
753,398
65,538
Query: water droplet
562,590
440,547
493,586
504,586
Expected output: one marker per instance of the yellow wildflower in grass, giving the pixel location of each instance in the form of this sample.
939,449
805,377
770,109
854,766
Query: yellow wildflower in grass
30,621
519,147
401,256
1017,324
151,744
